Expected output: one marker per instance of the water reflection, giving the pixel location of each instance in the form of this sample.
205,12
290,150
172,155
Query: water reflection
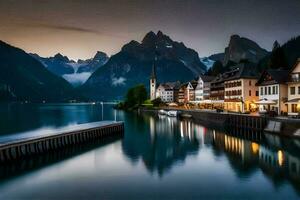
166,142
171,141
156,156
16,117
31,163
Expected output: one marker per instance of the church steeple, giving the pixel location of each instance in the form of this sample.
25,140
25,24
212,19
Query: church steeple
153,73
153,81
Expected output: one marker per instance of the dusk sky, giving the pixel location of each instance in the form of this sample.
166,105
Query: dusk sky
78,28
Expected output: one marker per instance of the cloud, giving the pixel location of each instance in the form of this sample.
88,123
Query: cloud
118,81
71,28
67,28
78,78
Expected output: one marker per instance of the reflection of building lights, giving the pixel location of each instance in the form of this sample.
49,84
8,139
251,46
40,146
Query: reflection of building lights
255,147
181,129
280,157
189,129
214,133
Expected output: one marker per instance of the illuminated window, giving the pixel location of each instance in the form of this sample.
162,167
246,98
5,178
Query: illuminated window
292,90
294,108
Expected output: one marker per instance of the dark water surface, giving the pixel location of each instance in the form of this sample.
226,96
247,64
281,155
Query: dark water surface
158,158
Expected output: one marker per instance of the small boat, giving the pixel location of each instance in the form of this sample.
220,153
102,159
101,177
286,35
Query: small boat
172,113
162,112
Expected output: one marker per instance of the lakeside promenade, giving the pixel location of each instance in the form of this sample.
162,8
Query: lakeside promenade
253,122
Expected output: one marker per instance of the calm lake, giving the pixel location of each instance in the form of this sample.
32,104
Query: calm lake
158,158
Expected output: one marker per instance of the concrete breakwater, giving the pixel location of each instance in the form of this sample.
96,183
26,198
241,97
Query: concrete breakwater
75,135
21,166
242,123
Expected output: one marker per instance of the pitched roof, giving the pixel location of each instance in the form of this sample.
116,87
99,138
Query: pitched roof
241,70
277,77
170,85
280,76
207,78
295,65
194,83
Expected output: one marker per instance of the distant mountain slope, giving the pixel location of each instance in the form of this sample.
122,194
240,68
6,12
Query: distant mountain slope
207,62
74,72
28,79
217,57
240,48
291,51
132,65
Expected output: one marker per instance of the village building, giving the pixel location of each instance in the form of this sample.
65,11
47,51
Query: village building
240,91
186,92
216,97
202,91
167,91
293,102
273,91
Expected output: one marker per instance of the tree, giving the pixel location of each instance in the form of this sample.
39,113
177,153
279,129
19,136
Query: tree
244,60
156,102
140,93
278,58
135,96
216,69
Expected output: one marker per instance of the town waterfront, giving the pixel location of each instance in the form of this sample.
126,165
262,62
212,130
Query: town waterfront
159,157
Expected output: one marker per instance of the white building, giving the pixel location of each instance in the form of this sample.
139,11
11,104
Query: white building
202,90
273,91
166,91
294,90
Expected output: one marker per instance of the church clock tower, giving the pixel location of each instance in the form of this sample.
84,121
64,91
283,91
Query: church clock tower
153,83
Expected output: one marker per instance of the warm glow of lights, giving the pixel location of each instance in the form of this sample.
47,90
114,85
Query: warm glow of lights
253,105
280,157
255,147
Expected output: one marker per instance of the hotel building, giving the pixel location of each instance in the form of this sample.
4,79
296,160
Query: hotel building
293,102
240,91
273,91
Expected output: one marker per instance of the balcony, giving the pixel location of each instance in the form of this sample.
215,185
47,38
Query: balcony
294,77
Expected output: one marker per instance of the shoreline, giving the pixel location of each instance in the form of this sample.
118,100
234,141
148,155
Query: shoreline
243,123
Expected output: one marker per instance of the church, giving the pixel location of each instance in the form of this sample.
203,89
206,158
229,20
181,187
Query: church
166,91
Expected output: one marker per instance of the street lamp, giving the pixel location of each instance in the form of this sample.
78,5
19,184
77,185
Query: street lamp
102,109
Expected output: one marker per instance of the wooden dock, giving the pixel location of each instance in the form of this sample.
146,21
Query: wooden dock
11,150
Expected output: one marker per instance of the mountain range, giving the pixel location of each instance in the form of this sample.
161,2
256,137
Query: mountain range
29,80
74,72
132,65
35,78
240,48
